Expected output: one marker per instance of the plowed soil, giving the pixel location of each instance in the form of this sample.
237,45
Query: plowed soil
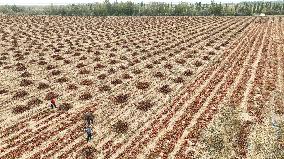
153,83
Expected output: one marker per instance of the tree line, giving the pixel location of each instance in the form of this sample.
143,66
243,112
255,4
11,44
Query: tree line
151,9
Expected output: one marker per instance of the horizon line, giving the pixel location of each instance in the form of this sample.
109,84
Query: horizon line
45,4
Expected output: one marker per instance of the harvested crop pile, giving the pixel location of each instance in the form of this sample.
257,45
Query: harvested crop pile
42,63
25,82
165,89
111,71
51,95
112,62
206,58
149,66
97,59
180,61
123,57
83,58
17,55
7,67
50,67
120,127
42,85
32,61
121,98
3,58
211,53
188,73
104,88
171,55
135,54
198,63
136,61
142,85
179,80
156,62
88,152
20,58
42,54
3,91
145,105
84,71
85,96
99,66
34,102
137,71
62,79
123,67
20,94
159,75
126,76
65,106
66,61
20,67
97,53
189,55
55,72
72,86
58,58
77,54
168,66
116,82
20,109
86,82
1,63
80,65
217,47
102,76
163,58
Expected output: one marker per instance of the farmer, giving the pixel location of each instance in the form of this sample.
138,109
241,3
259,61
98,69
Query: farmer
89,132
53,105
89,118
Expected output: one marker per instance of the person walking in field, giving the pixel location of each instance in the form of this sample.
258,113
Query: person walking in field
89,132
89,118
53,105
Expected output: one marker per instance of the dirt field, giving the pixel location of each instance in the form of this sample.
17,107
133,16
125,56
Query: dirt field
154,84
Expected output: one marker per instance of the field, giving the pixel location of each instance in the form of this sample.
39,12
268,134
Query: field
154,84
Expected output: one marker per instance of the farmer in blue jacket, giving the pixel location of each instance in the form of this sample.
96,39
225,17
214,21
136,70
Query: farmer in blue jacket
89,132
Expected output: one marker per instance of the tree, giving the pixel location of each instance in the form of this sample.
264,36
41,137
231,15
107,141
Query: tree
153,9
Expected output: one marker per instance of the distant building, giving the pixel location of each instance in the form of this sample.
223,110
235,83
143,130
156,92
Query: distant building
261,14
